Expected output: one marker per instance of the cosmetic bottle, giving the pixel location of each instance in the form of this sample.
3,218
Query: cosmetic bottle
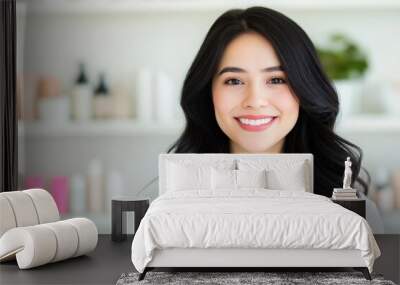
144,96
51,106
115,187
95,188
122,102
54,110
47,87
165,101
34,182
102,101
81,97
78,194
59,188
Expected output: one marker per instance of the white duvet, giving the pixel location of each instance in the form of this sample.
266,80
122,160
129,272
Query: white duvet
251,218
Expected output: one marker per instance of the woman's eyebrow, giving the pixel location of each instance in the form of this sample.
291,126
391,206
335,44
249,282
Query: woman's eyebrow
238,69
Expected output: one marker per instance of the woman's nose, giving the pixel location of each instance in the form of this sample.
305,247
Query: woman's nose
255,97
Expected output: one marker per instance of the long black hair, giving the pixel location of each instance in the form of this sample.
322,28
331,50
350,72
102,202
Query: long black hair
319,104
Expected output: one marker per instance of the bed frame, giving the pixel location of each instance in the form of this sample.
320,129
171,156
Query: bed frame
248,259
237,259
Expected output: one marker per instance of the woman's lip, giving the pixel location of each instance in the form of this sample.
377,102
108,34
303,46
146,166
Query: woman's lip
258,128
255,117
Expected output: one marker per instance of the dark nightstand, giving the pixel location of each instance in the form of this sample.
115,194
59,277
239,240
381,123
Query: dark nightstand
357,206
120,206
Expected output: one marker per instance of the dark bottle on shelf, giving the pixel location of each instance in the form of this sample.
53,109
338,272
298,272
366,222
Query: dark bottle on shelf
82,77
102,100
81,97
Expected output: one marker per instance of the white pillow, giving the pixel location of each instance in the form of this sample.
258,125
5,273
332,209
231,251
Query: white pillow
236,179
187,177
281,174
290,179
223,179
251,178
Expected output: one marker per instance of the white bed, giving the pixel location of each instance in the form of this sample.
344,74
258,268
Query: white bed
248,227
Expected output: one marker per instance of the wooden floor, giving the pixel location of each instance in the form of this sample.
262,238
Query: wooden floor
103,266
111,259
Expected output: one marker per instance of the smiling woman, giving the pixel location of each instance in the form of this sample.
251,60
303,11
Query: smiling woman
257,86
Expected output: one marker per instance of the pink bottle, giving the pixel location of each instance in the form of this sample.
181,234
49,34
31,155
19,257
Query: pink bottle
59,188
34,182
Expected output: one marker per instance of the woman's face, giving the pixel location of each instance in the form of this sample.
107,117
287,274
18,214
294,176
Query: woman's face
253,103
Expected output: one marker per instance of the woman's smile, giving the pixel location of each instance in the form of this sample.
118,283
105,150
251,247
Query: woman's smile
253,123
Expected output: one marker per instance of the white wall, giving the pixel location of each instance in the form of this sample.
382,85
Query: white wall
121,43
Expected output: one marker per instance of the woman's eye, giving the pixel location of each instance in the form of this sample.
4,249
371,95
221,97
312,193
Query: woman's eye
277,80
233,81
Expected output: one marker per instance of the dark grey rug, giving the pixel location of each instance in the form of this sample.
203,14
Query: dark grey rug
229,278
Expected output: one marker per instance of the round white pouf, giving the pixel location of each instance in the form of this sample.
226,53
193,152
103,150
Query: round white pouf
6,215
67,240
87,233
45,205
23,208
33,246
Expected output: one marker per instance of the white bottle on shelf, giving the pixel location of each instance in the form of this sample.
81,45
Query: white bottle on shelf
54,110
121,101
95,186
78,194
165,100
81,97
115,187
144,96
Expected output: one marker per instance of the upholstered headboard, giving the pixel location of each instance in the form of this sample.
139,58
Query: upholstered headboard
232,160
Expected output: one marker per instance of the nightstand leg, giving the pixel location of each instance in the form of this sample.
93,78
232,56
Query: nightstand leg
117,222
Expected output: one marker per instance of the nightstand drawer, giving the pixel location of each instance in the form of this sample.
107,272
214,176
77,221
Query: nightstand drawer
357,206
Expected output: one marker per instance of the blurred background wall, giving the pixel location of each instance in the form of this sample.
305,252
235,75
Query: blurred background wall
131,57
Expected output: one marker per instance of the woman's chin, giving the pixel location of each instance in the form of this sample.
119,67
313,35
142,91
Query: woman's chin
255,148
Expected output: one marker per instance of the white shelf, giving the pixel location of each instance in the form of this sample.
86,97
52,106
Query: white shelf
128,6
369,124
98,128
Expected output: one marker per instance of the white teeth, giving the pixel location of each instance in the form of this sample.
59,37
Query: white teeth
255,122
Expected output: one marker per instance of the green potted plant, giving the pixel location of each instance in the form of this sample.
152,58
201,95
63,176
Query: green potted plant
346,64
